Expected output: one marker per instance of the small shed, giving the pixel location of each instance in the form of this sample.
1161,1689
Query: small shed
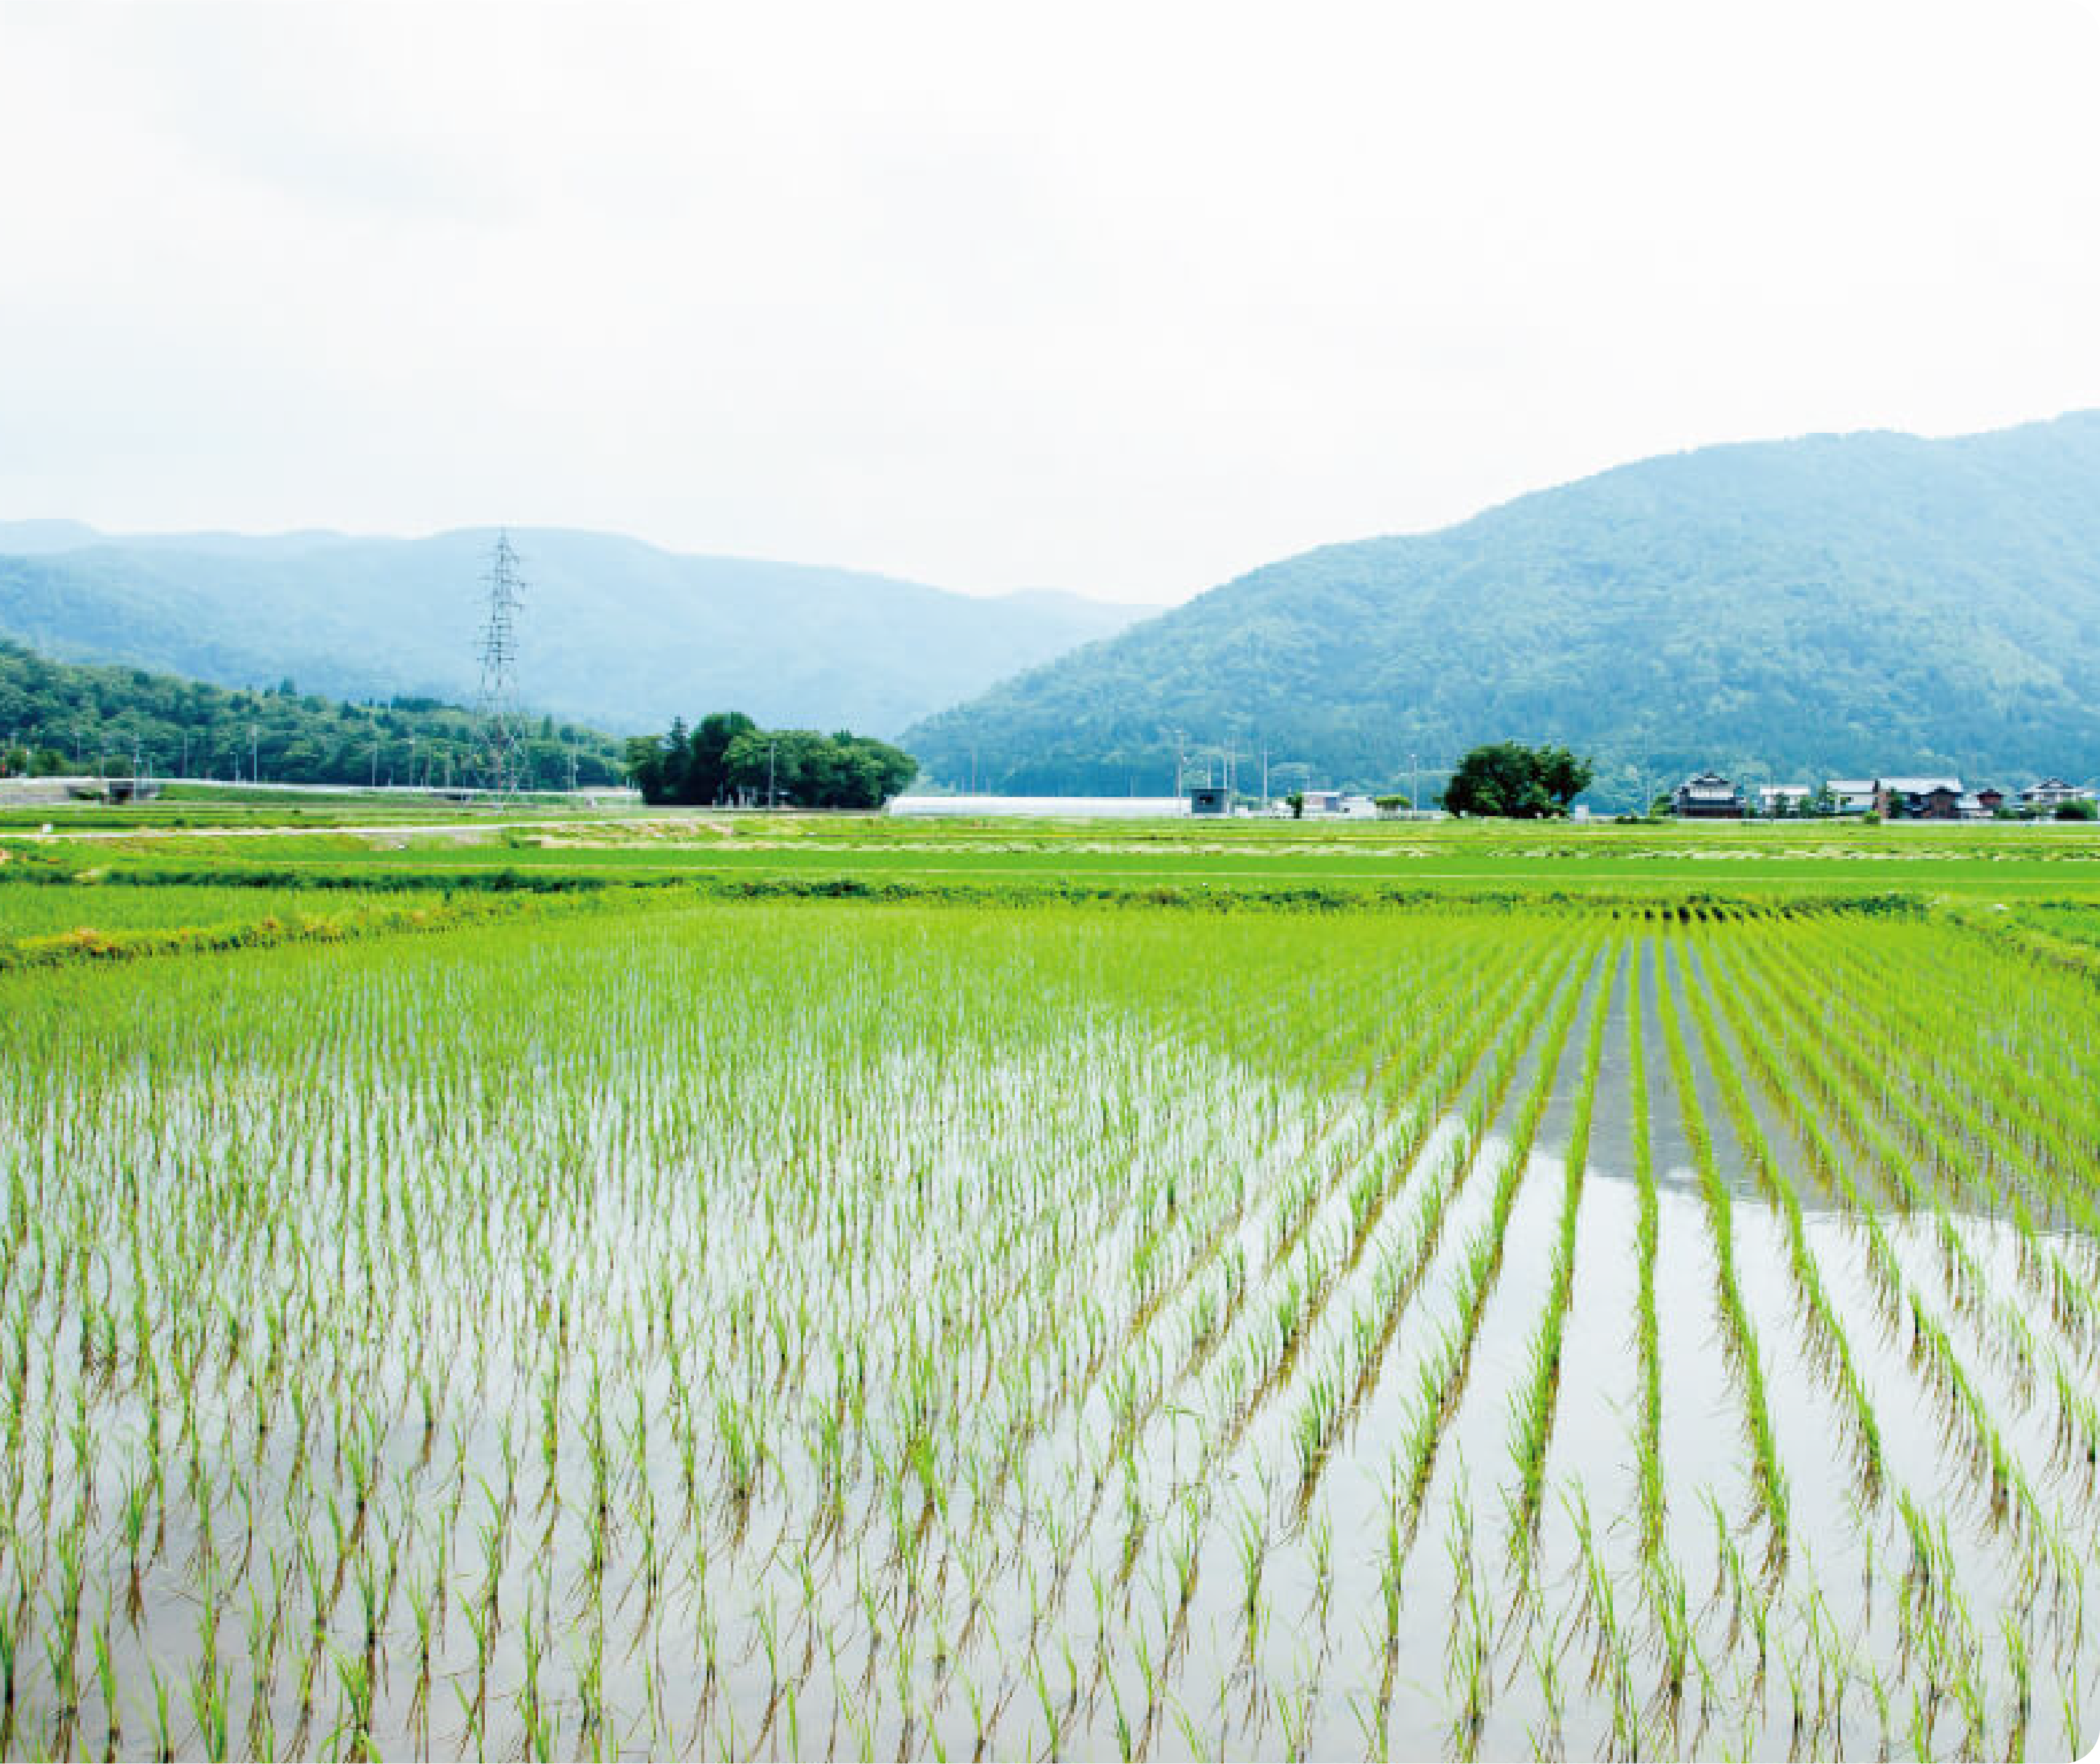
1209,799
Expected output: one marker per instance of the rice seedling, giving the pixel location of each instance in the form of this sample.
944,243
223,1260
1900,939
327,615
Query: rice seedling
965,1327
1768,1477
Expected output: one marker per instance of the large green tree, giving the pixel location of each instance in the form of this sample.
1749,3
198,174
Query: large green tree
728,758
1508,779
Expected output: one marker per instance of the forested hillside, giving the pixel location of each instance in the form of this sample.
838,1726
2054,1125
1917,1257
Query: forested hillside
57,717
613,632
1835,604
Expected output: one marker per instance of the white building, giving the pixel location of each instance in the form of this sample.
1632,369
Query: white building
2046,797
1853,795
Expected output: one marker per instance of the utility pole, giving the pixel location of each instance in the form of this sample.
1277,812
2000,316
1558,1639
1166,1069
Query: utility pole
255,754
1413,782
772,795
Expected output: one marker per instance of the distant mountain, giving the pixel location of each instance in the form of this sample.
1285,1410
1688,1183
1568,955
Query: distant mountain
614,632
34,539
1838,604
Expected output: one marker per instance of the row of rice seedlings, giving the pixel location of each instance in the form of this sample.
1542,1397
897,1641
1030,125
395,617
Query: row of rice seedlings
1652,1496
2043,1263
1932,1352
1829,1163
1441,1379
1798,1027
1179,1614
1291,1298
1298,1200
1399,1259
1767,1476
1869,1051
1445,1061
1830,1349
1947,1166
1391,1162
1297,1296
1260,1352
1532,1404
2037,1140
2078,1441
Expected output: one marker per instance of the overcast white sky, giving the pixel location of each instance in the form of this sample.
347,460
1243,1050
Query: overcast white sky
1124,298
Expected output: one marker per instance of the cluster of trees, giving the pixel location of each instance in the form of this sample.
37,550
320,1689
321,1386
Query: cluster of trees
726,758
1508,779
59,718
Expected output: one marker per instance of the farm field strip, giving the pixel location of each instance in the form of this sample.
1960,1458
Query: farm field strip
2035,868
27,910
754,1330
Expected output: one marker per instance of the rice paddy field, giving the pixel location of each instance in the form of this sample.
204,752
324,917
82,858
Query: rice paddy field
28,912
775,1328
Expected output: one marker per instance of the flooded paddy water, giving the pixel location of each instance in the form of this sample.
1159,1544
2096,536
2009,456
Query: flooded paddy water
762,1332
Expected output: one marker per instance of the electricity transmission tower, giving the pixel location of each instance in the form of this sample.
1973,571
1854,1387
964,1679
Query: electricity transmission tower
496,711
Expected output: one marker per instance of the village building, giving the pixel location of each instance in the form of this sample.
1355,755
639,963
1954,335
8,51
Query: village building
1921,799
1784,798
1708,797
2050,793
1851,796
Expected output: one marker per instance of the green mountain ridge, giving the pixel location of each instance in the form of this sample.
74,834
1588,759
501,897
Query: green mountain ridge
614,632
1829,606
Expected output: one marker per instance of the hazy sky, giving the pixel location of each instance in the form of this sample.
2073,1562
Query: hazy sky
1124,298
